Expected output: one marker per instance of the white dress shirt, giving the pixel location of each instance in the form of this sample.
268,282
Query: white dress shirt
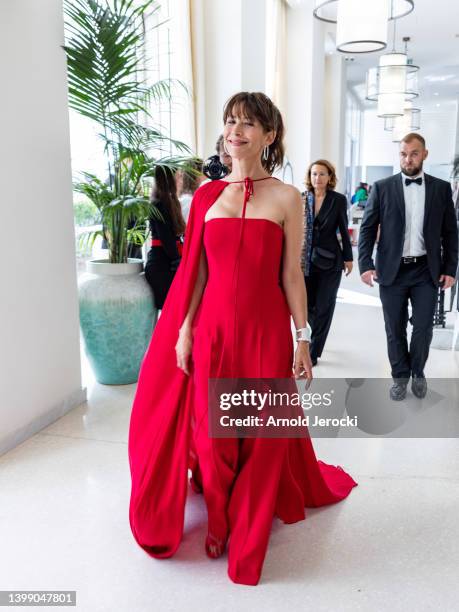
185,202
415,199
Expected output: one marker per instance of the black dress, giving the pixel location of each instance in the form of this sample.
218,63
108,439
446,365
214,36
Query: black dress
162,260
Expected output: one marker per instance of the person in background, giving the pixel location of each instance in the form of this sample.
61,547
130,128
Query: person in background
360,196
225,158
216,167
166,247
323,258
188,183
417,253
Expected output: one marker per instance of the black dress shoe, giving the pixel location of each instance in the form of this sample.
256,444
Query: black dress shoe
419,386
398,391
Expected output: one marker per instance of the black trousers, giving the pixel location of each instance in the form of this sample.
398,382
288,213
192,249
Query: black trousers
159,274
413,283
322,288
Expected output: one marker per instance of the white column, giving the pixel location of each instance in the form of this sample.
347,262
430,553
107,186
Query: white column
253,28
305,89
222,63
335,114
456,144
39,348
233,54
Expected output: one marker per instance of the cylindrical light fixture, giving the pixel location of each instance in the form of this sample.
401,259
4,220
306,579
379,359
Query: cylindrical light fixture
327,10
400,133
411,118
392,67
391,84
409,122
412,86
390,105
362,25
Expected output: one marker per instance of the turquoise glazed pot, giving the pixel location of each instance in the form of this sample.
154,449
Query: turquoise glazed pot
117,317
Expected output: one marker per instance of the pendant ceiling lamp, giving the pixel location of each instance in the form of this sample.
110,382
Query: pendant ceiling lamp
402,130
410,120
361,24
392,83
327,10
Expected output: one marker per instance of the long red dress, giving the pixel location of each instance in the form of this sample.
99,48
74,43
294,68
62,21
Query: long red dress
241,329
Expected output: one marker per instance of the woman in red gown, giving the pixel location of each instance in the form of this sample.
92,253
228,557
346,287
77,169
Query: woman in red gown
227,315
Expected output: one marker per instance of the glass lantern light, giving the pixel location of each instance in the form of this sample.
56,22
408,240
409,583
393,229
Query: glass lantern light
361,24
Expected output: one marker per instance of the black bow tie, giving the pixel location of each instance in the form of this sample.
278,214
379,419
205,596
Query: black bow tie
418,181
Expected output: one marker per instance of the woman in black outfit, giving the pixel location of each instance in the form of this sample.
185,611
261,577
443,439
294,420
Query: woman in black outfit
324,258
166,246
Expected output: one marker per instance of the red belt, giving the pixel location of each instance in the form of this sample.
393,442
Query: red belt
156,242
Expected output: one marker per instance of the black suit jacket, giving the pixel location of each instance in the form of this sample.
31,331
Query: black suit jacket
332,217
386,208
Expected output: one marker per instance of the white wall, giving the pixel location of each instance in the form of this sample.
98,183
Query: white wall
229,42
222,55
456,144
438,127
305,89
233,54
253,29
229,38
39,348
377,147
335,115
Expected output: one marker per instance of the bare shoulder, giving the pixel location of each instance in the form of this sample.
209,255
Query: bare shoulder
290,198
287,192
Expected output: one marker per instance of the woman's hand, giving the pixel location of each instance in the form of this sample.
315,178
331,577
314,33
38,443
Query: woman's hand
348,267
183,349
303,364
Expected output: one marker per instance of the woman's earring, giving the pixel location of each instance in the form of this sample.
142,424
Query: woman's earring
265,154
225,149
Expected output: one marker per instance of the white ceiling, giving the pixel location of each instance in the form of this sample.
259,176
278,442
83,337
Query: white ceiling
433,27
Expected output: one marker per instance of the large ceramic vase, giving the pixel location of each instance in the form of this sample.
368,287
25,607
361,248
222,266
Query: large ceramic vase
117,316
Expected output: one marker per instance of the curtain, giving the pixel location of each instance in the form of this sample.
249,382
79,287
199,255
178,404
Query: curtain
197,37
276,56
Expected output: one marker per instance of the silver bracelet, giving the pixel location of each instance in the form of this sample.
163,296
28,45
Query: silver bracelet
304,333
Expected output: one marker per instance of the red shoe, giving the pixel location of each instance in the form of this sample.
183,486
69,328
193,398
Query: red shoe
215,547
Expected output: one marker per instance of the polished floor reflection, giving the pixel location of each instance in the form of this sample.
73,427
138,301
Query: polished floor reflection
392,544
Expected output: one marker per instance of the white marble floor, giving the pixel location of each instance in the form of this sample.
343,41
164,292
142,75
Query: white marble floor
392,545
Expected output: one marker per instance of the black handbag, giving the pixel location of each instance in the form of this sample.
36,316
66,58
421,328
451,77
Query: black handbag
323,259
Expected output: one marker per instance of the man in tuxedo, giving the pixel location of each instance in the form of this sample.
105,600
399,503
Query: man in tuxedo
417,252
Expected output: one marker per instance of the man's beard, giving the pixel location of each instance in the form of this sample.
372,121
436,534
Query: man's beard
412,171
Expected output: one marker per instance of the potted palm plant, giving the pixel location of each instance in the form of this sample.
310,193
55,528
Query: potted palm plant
107,83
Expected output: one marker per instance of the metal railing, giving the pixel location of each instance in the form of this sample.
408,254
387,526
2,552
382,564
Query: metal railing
440,310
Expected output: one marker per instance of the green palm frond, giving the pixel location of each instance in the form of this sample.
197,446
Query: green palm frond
118,216
87,239
137,236
107,83
106,76
102,49
136,136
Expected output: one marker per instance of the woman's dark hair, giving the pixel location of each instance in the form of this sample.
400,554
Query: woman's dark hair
190,182
258,106
331,171
165,191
